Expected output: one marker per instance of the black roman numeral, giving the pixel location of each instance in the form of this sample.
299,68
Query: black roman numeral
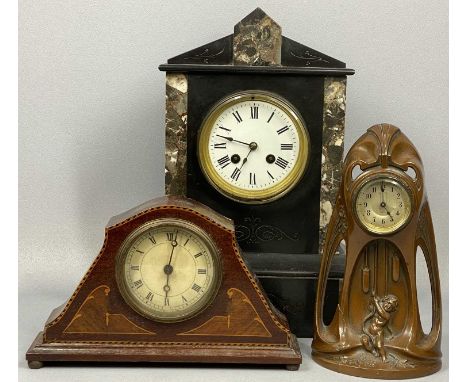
220,145
202,271
282,130
286,146
252,178
137,250
224,128
271,176
196,287
271,116
138,284
254,112
186,241
235,174
224,161
166,301
237,116
152,239
135,267
170,236
198,254
184,299
150,296
281,162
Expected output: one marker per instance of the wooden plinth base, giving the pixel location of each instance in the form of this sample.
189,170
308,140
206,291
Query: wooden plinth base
40,353
361,363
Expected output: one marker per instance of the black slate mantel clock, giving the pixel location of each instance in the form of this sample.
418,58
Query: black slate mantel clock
255,130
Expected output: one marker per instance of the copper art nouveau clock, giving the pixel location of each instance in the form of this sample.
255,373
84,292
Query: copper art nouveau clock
169,285
382,213
255,130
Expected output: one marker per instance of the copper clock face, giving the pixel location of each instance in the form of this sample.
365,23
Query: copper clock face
383,205
168,270
253,147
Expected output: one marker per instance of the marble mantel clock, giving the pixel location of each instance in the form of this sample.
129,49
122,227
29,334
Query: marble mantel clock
255,130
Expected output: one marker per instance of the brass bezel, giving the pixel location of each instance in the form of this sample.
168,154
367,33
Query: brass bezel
393,178
253,196
139,307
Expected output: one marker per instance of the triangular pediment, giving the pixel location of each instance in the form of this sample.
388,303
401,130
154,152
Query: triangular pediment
256,41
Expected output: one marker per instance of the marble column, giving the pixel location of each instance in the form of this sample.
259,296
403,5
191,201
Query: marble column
176,134
334,108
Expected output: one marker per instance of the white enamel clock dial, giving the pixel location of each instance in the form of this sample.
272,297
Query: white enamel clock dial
383,205
253,147
168,270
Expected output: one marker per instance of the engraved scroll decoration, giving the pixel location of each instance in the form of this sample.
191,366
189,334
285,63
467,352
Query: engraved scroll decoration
308,57
253,231
205,55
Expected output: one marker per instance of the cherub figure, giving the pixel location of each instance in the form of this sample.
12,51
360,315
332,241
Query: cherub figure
381,311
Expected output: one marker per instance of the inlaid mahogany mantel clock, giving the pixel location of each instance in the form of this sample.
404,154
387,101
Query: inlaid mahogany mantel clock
255,130
169,285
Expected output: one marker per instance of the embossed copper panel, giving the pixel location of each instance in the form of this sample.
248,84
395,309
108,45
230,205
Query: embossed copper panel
376,331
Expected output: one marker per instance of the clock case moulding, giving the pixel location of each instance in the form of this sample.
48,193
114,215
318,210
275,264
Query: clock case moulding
282,239
367,338
238,326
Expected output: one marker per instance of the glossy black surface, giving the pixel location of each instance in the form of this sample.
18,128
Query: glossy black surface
305,71
295,297
279,239
291,284
289,224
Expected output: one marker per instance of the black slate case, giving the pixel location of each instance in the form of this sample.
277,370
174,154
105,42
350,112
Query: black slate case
280,239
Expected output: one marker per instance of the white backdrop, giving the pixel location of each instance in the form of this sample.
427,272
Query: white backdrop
91,121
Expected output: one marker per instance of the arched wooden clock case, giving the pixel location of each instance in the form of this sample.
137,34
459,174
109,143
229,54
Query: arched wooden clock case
238,325
376,330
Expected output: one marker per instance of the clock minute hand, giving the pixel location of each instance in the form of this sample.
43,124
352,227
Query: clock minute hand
382,193
168,268
383,204
230,139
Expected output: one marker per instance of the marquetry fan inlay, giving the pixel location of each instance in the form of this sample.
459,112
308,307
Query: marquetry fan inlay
237,325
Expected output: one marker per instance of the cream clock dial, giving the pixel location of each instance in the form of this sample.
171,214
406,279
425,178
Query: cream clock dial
383,205
168,270
253,147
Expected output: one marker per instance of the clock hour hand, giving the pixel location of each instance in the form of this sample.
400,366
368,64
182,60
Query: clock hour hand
384,205
230,139
253,146
245,159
